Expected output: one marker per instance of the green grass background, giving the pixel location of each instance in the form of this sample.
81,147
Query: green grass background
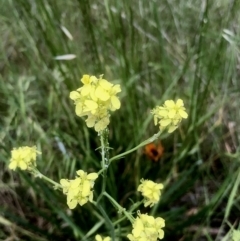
156,50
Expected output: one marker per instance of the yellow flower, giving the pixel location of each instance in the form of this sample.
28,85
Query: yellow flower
95,99
150,191
79,190
24,158
102,90
99,238
87,81
99,121
115,103
169,115
90,106
147,228
102,124
79,103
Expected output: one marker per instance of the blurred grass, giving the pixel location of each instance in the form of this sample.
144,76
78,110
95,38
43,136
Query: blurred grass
156,50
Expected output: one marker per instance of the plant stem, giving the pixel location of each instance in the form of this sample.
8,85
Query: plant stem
149,140
37,173
120,208
107,220
105,160
102,150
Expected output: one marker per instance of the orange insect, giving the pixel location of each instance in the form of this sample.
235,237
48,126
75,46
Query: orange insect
154,151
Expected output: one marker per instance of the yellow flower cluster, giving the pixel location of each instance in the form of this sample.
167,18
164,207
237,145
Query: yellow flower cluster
99,238
147,228
23,157
150,191
79,191
95,99
169,115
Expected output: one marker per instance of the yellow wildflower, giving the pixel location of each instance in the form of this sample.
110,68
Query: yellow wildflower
99,121
79,191
99,238
147,228
114,101
169,115
87,80
102,89
23,157
79,103
95,99
150,191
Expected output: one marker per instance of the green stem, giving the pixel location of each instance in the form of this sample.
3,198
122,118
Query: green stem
144,143
107,220
135,206
105,160
37,173
101,171
120,208
102,150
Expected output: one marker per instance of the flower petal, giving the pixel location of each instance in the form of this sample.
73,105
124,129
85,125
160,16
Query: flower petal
90,105
169,103
98,238
183,114
22,165
179,103
72,204
64,182
75,183
86,188
165,122
80,173
82,201
101,124
74,95
116,89
92,176
172,129
12,165
79,110
85,79
90,121
115,102
86,89
102,94
105,84
172,113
